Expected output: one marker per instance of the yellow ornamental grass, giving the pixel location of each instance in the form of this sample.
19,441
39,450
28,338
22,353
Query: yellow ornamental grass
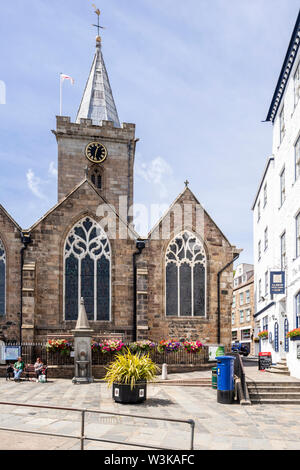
130,369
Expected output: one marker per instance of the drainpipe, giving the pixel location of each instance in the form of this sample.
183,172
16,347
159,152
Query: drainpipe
236,256
140,247
26,240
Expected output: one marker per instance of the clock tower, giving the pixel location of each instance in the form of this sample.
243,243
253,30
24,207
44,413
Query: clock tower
97,147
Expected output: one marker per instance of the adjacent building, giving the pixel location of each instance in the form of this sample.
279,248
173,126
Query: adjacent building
243,307
276,212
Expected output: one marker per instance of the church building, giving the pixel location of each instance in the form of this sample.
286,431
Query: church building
176,283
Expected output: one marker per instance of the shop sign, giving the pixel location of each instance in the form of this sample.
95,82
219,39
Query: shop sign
277,284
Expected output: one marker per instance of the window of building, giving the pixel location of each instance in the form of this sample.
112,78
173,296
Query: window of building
248,314
282,187
282,125
186,277
2,279
87,261
242,298
266,238
265,323
259,250
245,334
298,235
297,306
266,283
233,318
247,297
233,301
241,316
258,211
234,335
265,195
297,159
259,290
96,177
283,251
297,85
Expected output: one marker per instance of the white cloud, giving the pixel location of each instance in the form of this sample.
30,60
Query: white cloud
52,170
34,183
158,172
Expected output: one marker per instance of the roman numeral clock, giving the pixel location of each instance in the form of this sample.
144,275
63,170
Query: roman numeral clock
96,152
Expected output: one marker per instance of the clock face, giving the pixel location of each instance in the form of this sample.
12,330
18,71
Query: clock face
96,152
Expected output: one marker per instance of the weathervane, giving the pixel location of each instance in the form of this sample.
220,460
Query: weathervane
98,13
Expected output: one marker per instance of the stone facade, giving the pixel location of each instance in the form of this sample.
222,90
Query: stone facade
43,289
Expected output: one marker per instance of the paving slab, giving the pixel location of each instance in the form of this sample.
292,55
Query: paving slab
217,426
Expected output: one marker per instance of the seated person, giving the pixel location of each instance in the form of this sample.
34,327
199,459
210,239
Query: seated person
19,367
39,368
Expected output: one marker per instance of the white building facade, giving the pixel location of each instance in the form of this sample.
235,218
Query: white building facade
276,212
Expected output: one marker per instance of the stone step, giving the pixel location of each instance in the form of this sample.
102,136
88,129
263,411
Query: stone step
281,371
274,396
188,382
258,390
273,384
275,401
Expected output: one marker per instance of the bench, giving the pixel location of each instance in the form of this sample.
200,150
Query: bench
30,373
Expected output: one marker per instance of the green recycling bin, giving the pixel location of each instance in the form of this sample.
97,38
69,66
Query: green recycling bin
214,378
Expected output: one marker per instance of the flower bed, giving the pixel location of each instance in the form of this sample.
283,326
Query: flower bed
62,346
142,346
294,334
193,346
263,334
108,346
168,346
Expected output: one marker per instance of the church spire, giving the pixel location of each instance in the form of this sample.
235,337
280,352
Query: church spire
97,102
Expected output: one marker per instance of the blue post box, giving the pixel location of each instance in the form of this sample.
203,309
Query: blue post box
225,374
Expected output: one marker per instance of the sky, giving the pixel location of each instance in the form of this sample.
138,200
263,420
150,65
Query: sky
196,77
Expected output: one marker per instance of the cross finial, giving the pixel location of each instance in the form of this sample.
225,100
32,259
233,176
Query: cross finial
98,13
186,183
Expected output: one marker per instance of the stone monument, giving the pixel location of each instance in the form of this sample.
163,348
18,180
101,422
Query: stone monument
83,351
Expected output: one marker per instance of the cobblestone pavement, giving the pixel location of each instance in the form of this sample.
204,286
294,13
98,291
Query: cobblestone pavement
217,426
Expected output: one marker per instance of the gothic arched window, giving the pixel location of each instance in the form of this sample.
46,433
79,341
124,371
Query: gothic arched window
2,279
87,258
96,177
186,277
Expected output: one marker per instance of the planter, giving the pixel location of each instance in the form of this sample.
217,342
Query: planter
295,338
122,393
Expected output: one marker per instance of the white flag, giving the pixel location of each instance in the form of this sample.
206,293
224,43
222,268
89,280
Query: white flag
66,77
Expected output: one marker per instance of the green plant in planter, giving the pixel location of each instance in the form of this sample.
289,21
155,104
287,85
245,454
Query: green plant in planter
130,369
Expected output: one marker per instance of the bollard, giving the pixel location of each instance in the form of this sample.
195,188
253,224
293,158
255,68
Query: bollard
164,372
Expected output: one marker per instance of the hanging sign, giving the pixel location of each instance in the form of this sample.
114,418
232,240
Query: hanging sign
277,284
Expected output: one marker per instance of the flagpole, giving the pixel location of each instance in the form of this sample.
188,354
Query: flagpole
60,96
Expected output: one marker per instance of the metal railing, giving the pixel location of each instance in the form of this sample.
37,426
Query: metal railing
84,438
30,351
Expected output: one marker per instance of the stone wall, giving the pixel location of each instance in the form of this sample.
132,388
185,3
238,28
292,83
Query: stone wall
10,234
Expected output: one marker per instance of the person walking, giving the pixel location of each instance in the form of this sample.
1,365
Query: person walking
19,367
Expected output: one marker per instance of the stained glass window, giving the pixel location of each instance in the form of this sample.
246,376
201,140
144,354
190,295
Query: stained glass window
2,278
87,258
186,277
